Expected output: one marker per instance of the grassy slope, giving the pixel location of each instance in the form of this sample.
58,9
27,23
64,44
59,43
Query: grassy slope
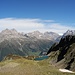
28,67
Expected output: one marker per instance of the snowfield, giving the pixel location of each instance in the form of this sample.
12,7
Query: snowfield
65,70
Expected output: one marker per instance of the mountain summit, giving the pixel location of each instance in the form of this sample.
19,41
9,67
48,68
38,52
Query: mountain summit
69,32
9,32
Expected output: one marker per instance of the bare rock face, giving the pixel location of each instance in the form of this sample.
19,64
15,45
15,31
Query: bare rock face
46,35
51,35
36,34
9,34
63,53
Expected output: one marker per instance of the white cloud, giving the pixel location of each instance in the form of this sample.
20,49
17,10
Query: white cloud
20,24
59,28
28,25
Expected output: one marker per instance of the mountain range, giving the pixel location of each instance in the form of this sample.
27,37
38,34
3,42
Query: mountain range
16,50
34,43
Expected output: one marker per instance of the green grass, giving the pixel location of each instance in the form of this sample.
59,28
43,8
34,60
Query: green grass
29,67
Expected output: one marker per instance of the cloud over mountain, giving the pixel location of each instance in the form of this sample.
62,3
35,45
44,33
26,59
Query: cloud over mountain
29,24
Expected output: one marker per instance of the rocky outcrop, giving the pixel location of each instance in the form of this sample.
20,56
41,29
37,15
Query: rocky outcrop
63,53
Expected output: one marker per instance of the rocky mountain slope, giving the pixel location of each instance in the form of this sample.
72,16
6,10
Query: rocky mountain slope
63,53
13,42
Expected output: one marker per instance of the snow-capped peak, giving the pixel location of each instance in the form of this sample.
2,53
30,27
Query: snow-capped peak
69,32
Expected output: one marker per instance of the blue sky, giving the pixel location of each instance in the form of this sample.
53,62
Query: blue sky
43,15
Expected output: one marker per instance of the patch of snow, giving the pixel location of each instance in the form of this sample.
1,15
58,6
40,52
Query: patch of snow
65,70
40,35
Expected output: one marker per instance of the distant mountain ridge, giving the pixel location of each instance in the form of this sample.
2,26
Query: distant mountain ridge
13,42
46,35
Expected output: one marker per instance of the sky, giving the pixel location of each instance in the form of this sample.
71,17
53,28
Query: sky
42,15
